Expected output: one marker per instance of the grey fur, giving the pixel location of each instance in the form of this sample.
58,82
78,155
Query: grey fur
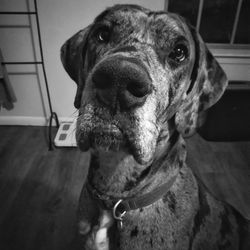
134,149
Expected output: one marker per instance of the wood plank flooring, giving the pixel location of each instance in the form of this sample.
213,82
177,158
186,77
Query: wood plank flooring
224,167
39,189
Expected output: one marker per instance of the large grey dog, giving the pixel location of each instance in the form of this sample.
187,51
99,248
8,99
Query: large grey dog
144,80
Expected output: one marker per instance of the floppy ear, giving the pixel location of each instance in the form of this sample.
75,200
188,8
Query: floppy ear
73,54
208,82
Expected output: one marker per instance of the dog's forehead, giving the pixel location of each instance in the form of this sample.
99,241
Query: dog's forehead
128,16
121,11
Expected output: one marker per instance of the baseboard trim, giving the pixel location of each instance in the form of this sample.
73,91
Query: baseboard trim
29,120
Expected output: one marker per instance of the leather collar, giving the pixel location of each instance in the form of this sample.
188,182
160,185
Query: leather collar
121,206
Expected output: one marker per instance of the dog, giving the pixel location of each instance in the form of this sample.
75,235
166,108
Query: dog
144,82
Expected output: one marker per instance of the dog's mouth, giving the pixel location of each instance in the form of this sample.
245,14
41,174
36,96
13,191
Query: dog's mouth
121,135
102,137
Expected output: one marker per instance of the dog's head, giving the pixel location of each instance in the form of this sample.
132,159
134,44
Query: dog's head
140,76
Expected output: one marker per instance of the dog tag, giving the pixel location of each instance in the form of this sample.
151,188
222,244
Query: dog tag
120,224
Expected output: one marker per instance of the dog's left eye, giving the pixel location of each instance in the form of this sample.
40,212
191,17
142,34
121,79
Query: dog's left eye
179,53
103,35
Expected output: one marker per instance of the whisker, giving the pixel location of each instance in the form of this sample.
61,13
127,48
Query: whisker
74,114
72,133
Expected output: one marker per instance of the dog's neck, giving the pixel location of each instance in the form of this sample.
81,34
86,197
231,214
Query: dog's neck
118,175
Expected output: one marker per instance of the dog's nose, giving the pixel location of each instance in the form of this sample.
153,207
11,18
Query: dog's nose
122,80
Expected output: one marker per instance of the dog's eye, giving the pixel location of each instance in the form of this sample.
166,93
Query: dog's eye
103,35
179,53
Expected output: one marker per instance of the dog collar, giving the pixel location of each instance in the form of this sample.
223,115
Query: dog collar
120,207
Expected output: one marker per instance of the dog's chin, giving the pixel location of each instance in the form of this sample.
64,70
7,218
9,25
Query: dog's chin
114,142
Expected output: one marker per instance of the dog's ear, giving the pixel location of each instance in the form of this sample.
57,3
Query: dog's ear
73,54
207,84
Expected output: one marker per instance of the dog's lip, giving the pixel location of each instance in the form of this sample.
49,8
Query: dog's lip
102,136
108,129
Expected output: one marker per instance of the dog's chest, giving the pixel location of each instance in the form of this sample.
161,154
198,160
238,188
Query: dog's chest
160,225
157,227
185,218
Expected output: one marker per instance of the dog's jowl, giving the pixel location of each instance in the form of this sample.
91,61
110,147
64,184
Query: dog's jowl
144,80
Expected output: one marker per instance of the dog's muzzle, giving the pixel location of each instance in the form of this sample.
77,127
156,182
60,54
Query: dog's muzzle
122,81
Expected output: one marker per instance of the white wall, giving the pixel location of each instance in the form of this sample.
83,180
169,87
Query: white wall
59,19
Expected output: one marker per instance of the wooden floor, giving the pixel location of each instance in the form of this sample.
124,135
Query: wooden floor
39,189
224,168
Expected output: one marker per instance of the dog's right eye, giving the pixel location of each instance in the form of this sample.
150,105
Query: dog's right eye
179,53
102,35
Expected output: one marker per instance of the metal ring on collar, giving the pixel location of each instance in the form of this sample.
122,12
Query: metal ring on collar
120,215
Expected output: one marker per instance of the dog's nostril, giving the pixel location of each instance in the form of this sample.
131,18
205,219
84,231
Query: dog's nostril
137,88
